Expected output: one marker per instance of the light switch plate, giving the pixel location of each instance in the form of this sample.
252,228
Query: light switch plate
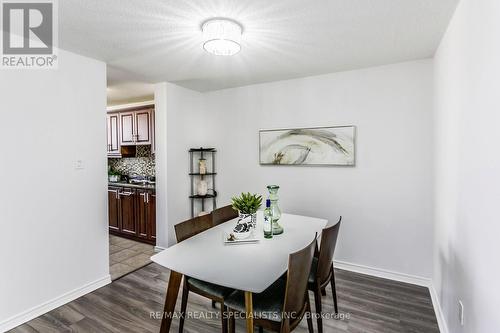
79,165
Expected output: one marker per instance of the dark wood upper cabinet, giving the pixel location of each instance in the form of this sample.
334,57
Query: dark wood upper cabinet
113,132
153,129
127,126
136,127
143,127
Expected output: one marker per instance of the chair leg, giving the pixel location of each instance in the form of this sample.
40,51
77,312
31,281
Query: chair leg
224,318
231,321
185,294
317,303
261,329
309,316
334,291
285,326
323,292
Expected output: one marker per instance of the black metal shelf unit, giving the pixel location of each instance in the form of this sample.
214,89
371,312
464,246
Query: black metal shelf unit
195,154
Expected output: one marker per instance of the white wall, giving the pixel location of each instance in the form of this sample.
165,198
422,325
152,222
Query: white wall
385,200
53,244
180,125
467,77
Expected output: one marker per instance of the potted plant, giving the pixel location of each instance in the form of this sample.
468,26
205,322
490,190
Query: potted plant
113,175
247,205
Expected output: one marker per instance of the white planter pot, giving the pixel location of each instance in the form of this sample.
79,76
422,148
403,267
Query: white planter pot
113,178
245,225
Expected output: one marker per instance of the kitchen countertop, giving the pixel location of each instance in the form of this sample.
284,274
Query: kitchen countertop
125,184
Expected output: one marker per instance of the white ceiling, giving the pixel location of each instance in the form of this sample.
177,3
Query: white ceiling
160,40
124,89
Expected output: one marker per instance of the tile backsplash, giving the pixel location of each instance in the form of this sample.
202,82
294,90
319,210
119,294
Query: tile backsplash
142,164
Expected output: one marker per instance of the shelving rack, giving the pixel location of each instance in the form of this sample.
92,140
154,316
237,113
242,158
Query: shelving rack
194,173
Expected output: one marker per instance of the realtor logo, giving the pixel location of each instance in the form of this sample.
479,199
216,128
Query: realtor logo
29,34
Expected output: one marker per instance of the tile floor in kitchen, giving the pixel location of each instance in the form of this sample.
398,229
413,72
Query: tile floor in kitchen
126,256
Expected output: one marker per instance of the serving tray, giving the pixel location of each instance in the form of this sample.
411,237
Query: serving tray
250,240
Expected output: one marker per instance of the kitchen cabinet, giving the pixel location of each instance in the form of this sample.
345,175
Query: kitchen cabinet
127,211
143,128
151,217
136,127
127,120
153,129
132,213
113,208
146,214
113,135
142,205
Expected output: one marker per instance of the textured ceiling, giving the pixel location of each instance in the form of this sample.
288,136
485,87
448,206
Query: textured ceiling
161,40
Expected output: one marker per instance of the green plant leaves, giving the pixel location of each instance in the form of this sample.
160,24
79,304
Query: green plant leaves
247,203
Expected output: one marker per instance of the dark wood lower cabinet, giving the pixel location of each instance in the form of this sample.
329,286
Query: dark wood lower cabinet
132,213
142,207
113,208
146,214
127,211
152,217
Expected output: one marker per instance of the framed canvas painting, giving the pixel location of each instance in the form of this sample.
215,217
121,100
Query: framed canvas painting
308,146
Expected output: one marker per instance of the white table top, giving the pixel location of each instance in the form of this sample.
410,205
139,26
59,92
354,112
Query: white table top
247,267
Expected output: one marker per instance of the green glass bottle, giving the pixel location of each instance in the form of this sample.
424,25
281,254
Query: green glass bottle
268,220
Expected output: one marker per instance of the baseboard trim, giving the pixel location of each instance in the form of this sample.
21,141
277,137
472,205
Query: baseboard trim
383,273
39,310
401,277
443,327
159,248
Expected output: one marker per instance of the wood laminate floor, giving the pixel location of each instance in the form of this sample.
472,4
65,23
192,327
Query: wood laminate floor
370,305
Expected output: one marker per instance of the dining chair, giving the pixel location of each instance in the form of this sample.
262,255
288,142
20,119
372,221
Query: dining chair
223,214
211,291
322,271
281,307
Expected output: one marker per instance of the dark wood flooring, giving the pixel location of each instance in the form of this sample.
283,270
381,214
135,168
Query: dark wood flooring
370,305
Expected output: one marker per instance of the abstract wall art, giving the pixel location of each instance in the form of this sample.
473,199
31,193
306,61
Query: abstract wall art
308,146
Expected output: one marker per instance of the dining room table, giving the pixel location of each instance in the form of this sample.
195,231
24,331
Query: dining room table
250,267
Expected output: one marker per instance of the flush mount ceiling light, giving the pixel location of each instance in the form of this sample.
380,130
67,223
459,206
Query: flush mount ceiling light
221,37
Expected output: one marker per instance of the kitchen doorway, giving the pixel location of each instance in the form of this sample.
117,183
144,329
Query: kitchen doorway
131,186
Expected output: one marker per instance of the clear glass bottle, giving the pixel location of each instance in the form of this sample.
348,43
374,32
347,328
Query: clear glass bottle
276,212
268,220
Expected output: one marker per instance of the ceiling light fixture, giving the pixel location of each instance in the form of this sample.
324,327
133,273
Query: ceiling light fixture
221,37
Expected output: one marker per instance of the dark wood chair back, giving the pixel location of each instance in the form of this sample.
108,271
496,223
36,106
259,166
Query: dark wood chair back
223,214
189,228
297,277
327,248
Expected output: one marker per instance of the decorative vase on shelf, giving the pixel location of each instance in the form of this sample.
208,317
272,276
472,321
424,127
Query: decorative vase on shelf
202,163
276,212
202,188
